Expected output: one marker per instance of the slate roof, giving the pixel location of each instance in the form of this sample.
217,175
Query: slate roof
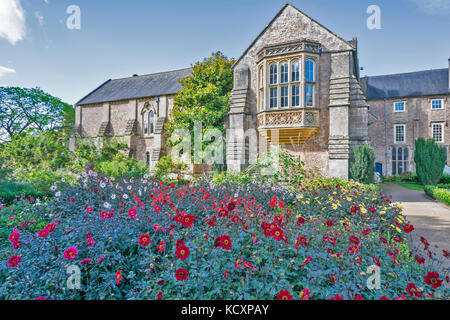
149,85
412,84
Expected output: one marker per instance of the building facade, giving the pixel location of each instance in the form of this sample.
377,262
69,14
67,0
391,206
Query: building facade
296,87
404,107
133,110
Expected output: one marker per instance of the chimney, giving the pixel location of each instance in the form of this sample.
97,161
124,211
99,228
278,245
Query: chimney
135,75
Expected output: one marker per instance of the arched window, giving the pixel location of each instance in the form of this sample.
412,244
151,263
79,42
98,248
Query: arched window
152,122
310,83
147,158
148,120
145,123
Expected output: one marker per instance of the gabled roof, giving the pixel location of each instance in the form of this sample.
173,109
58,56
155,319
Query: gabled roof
412,84
350,43
137,87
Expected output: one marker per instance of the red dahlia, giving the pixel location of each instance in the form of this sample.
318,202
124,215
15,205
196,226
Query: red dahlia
144,240
181,274
408,228
182,252
413,291
432,279
284,295
225,242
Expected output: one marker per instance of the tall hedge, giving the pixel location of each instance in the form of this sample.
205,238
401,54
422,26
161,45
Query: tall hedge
430,161
363,166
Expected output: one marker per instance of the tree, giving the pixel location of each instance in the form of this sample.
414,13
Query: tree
204,96
23,109
363,166
430,161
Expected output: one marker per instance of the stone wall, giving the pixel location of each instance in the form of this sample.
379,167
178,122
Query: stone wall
292,25
123,119
91,119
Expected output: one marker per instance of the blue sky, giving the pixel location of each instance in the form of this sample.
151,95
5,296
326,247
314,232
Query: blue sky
120,38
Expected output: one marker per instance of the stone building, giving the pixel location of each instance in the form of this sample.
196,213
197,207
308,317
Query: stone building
297,87
404,107
132,109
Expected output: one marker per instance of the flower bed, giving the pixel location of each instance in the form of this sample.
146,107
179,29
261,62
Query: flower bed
142,239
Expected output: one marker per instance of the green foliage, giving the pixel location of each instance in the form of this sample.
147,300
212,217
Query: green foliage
24,109
204,95
363,166
13,191
166,165
438,193
445,179
4,169
122,166
46,150
204,98
430,161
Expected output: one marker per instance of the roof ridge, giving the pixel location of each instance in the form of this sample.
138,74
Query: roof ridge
152,74
401,73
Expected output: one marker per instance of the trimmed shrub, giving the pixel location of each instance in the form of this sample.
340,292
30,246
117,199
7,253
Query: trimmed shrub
363,166
440,194
430,161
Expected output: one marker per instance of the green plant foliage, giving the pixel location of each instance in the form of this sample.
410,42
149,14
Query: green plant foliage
166,165
430,161
363,167
13,191
23,109
204,98
204,95
46,150
439,193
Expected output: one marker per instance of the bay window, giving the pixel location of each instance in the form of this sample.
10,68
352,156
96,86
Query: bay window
286,83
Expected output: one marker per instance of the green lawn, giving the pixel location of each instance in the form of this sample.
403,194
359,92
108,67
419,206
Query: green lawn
412,185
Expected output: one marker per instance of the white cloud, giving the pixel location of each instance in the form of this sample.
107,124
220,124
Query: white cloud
12,21
39,17
4,71
441,7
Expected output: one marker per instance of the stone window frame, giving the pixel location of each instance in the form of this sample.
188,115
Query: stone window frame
437,99
395,133
438,124
404,106
147,123
264,76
